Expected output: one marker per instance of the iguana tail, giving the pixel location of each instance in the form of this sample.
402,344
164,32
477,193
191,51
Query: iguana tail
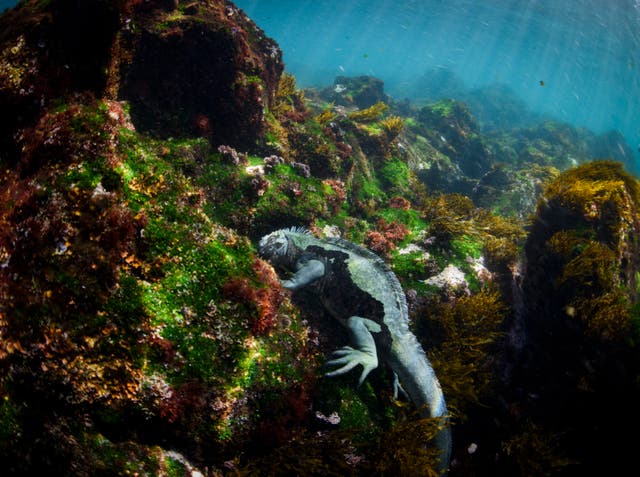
419,381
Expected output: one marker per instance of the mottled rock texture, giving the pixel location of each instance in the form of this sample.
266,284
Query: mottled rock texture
200,67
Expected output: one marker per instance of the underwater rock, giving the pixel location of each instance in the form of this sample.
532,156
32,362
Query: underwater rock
512,191
435,169
443,146
581,300
125,305
454,132
198,69
451,277
497,107
216,75
49,50
584,245
359,91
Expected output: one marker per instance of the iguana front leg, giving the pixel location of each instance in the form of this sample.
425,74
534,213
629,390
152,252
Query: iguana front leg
307,272
363,351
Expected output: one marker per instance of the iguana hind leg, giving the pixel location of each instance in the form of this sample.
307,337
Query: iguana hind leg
363,351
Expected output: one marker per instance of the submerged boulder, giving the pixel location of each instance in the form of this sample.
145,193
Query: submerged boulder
204,68
359,91
581,295
186,68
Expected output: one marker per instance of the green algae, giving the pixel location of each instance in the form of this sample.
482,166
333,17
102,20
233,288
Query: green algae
467,246
291,199
398,179
410,218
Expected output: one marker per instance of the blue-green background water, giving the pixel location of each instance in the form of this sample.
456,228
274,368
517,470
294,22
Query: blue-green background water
586,52
575,60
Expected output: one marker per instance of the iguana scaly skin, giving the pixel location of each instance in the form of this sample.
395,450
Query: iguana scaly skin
363,294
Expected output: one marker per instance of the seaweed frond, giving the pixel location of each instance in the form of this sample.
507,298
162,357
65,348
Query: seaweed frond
392,126
370,114
327,115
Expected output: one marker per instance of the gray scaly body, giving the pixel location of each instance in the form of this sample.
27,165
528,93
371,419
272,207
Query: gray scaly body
363,294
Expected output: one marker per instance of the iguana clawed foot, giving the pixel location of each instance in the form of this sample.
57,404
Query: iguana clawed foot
350,358
363,353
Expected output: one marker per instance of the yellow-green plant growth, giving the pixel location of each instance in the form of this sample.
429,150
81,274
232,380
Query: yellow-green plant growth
449,215
370,114
462,362
599,205
599,299
403,449
598,191
536,451
327,115
288,98
392,126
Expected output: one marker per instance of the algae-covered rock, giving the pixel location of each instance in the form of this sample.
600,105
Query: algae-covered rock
585,237
216,75
123,301
217,72
455,133
581,294
360,91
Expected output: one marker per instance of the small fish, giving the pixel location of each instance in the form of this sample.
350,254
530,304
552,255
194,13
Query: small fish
541,83
365,55
341,68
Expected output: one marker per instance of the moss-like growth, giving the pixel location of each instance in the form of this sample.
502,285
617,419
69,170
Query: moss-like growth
470,327
292,199
398,179
403,450
580,293
370,114
536,451
327,115
449,215
392,126
289,101
599,202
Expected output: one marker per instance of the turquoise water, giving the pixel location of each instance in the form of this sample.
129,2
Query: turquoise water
575,60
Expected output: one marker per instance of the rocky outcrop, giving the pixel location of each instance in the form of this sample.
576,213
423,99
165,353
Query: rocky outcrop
202,68
355,91
581,294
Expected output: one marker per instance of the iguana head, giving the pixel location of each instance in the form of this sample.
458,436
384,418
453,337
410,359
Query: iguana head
279,248
274,245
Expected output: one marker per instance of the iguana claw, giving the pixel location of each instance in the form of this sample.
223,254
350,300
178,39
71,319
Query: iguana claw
364,352
350,358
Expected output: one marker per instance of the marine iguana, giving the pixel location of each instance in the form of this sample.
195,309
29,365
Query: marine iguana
364,295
